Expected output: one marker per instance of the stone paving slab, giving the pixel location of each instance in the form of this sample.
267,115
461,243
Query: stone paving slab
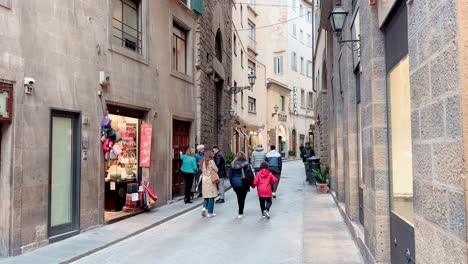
86,243
327,238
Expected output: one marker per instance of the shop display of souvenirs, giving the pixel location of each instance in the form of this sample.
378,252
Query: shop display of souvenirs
120,147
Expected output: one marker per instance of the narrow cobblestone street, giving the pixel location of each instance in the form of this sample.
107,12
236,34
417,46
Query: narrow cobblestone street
292,235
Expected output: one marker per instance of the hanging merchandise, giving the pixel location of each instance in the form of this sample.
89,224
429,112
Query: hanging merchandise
124,158
106,122
111,134
107,145
116,149
150,196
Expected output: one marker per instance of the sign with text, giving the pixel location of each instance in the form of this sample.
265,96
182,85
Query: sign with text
145,145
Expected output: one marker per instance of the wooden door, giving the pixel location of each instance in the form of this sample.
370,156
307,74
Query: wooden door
181,142
294,141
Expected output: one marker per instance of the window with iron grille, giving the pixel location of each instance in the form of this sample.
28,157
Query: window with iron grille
252,105
179,49
126,24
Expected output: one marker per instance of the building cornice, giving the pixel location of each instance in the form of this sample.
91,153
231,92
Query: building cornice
271,81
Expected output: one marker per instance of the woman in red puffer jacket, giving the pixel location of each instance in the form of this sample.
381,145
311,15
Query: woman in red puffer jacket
264,182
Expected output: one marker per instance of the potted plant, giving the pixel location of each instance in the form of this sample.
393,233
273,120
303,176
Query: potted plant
229,158
292,154
321,176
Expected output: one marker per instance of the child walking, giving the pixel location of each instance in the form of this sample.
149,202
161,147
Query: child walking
263,182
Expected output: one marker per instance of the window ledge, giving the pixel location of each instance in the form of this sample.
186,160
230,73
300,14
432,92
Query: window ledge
253,113
5,3
249,7
130,54
182,76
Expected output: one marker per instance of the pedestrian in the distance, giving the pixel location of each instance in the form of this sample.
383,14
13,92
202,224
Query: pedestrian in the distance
264,182
199,157
189,169
210,181
275,163
307,153
241,176
258,156
221,164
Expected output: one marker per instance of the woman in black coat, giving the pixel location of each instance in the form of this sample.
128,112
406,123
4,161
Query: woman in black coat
241,176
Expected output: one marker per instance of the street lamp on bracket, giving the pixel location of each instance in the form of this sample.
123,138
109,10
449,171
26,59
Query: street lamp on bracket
337,21
236,89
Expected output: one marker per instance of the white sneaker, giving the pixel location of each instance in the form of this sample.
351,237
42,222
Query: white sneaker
274,195
211,215
203,212
267,214
241,216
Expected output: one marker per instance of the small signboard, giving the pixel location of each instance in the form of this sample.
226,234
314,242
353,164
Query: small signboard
6,102
145,145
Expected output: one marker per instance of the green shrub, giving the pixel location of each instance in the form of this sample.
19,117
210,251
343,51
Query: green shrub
321,175
229,158
292,153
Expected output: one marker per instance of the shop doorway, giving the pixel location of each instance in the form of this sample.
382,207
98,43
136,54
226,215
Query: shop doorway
180,142
64,175
294,141
122,172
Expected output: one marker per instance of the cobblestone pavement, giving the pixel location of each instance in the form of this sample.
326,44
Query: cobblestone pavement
292,235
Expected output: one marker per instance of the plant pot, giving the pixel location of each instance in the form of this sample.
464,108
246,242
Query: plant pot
321,187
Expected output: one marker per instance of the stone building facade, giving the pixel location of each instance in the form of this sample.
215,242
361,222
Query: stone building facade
396,126
213,63
63,46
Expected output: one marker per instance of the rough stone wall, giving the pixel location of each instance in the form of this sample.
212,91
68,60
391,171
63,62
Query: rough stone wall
374,135
350,151
438,144
214,102
323,140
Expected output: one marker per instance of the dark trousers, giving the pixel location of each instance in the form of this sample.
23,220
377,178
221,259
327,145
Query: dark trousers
241,193
277,173
265,203
188,184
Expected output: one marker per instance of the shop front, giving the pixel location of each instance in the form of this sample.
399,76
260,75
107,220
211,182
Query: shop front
126,144
400,146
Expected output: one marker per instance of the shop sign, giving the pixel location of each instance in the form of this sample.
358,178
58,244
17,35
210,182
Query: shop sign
6,102
295,100
145,145
282,118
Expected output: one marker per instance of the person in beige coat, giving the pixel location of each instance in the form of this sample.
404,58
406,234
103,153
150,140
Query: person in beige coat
210,180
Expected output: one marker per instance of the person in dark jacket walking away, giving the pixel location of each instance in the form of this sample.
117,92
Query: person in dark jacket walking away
307,153
189,168
275,163
263,182
258,156
241,176
221,164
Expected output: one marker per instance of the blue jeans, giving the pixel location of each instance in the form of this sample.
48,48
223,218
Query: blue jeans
208,203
